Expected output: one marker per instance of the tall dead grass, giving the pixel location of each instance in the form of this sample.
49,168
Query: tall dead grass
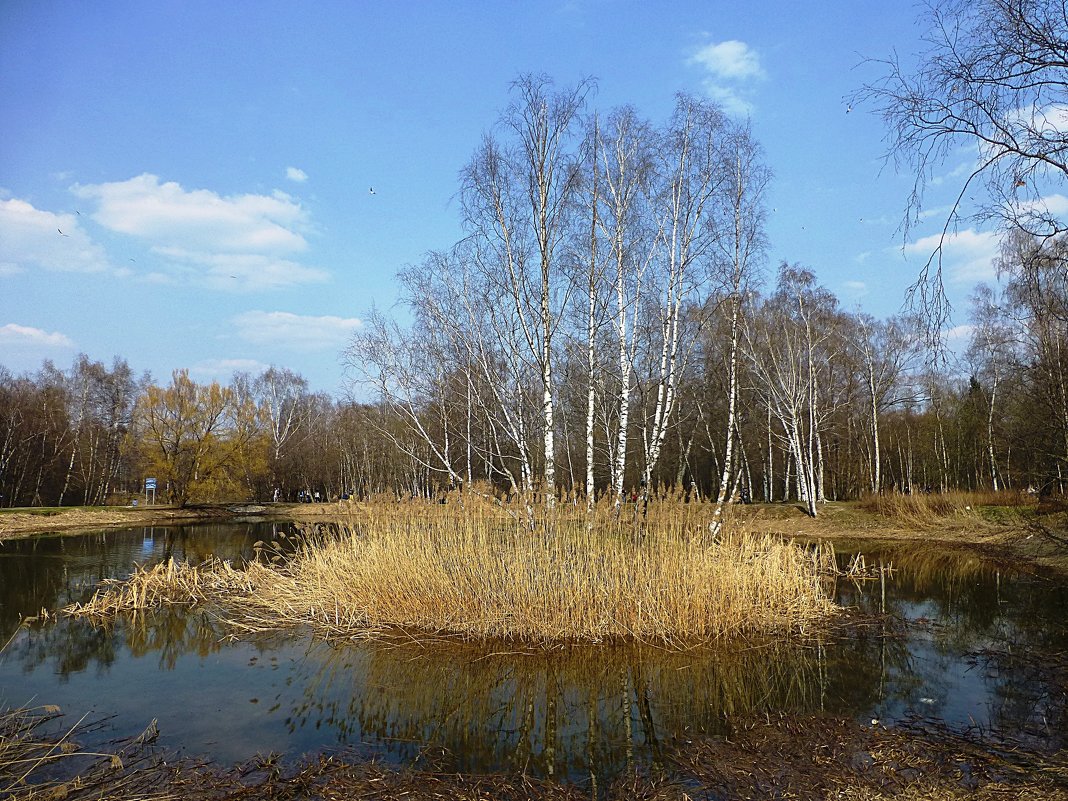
480,574
925,510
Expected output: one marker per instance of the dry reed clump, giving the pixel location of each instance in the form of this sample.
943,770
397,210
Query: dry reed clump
164,584
481,575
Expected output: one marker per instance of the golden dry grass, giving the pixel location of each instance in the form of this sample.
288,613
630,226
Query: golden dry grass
478,573
164,584
929,510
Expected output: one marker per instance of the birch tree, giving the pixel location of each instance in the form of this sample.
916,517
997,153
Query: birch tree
628,171
688,161
991,351
739,250
788,346
517,196
883,351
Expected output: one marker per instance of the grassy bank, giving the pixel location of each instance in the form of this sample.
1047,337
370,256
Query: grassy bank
479,573
30,521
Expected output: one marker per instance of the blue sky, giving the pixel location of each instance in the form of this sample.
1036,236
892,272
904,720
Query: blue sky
186,184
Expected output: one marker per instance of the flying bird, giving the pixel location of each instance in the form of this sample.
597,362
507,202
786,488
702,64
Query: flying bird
61,232
372,190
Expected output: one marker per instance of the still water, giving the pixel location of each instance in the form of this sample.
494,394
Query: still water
963,642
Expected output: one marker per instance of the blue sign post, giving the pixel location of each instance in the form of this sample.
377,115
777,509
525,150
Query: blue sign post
150,486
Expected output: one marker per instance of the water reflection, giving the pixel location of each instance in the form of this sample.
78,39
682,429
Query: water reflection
961,640
52,572
572,712
964,640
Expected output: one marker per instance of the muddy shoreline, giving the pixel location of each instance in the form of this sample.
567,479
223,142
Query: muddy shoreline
809,758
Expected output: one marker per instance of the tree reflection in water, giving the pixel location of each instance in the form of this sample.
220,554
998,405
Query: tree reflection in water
574,712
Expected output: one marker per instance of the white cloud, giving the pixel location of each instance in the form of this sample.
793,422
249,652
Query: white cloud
232,243
732,100
731,67
294,331
731,60
36,239
296,174
166,215
240,271
967,256
15,335
937,211
856,288
958,334
957,172
1051,120
1056,205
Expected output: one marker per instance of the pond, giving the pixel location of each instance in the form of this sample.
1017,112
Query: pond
962,643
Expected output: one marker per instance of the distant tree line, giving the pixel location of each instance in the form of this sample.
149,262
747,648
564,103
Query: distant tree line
91,435
830,405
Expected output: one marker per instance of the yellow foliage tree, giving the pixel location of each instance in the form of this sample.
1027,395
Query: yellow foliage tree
188,435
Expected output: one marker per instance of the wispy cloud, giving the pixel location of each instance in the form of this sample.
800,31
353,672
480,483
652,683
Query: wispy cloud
237,271
1055,204
295,331
968,256
855,289
296,174
224,368
13,335
731,66
245,241
32,239
937,211
959,171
